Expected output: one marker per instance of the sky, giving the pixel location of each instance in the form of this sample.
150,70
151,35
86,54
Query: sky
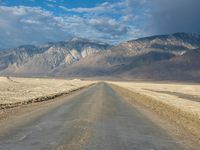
112,21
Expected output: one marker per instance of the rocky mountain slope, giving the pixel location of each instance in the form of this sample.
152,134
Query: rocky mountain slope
184,67
125,60
176,43
42,60
110,64
156,57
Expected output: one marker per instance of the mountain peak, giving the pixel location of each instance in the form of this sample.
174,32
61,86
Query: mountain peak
85,40
176,42
81,39
184,35
78,39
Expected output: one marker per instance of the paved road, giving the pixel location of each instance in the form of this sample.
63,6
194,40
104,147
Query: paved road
96,118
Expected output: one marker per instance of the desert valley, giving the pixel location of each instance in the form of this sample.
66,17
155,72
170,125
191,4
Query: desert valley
99,75
158,76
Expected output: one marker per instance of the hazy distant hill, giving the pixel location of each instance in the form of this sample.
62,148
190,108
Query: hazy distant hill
164,57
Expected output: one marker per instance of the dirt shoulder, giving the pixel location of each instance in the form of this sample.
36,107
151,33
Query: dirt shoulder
13,117
24,90
40,99
181,125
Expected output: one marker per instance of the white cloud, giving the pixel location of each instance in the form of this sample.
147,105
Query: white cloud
111,22
28,24
97,9
105,7
34,25
102,23
30,21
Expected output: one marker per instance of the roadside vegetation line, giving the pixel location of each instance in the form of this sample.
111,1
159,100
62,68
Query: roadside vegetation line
41,99
187,120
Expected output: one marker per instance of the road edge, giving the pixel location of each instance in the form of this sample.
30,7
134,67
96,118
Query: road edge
182,119
42,99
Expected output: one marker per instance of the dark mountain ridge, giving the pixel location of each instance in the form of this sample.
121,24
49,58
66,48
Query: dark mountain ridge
185,67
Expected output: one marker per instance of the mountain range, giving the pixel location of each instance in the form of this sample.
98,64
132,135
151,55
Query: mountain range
162,57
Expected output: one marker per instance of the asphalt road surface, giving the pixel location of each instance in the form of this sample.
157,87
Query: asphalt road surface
96,118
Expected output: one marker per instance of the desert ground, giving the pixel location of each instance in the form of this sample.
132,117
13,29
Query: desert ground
182,96
98,115
177,102
14,90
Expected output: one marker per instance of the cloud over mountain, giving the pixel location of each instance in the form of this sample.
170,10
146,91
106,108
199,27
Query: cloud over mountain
113,21
21,25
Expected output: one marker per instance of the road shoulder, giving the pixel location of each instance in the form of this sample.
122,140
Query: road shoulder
175,130
13,117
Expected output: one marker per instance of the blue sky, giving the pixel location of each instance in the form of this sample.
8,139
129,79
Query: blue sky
112,21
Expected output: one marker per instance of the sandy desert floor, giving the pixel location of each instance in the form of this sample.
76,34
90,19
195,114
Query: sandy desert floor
181,95
14,90
168,112
97,117
176,102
